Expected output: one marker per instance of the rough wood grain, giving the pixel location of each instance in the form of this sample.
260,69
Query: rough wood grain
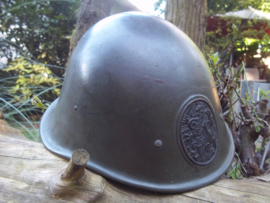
90,12
265,178
190,17
75,169
28,171
5,129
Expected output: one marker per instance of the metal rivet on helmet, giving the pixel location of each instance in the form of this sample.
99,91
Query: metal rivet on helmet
139,97
158,143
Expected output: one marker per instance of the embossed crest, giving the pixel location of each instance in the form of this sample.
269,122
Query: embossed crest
198,132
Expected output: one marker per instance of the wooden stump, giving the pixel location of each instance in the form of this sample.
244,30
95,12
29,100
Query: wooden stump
75,169
74,181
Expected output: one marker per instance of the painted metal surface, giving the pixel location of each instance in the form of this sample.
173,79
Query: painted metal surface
127,86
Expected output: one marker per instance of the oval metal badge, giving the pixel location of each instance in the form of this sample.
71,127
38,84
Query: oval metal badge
198,132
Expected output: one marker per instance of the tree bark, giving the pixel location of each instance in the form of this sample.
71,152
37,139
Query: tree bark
90,12
190,17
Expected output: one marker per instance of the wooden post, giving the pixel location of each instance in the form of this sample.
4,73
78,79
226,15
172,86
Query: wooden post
75,169
74,180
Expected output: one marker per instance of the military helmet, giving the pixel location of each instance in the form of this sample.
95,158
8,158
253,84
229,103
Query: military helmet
139,97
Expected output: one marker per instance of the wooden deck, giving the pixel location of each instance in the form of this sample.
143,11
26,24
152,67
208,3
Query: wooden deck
28,171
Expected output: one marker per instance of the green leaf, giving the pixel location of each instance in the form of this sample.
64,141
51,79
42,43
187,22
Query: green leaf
235,172
36,98
258,149
40,105
246,96
232,174
266,93
215,58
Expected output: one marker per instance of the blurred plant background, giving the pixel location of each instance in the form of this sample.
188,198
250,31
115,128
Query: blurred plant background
34,49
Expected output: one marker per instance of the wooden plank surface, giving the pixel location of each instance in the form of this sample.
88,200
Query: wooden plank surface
29,172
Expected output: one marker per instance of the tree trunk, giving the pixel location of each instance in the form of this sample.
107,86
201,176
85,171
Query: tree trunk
190,17
90,12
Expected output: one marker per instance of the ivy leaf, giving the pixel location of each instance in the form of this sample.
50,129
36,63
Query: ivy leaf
216,58
235,172
232,174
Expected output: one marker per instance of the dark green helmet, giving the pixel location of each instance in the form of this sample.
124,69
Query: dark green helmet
139,97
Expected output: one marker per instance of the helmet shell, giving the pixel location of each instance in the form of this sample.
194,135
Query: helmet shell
139,97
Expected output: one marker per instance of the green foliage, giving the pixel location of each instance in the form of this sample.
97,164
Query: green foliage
223,6
214,57
34,35
32,78
26,93
258,128
235,172
264,94
38,103
237,34
243,36
38,30
226,87
215,65
231,34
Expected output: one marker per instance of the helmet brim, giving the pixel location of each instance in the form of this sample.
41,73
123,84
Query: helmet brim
51,142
